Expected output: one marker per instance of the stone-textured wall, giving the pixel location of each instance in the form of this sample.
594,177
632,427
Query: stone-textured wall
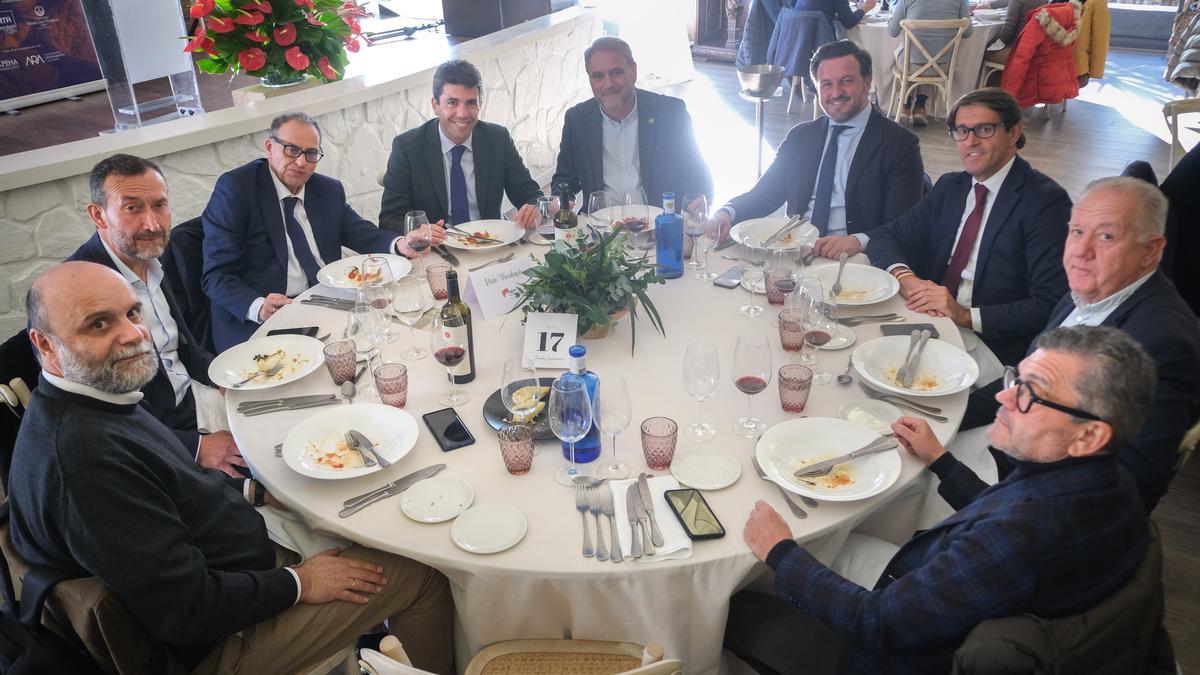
527,89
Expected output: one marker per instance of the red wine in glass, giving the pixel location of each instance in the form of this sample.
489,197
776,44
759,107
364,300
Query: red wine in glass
750,384
380,303
419,245
817,338
450,356
785,285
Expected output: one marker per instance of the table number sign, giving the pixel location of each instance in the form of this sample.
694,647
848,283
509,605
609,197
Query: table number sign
547,339
494,289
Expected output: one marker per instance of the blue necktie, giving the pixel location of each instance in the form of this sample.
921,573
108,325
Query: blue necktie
299,242
460,211
824,194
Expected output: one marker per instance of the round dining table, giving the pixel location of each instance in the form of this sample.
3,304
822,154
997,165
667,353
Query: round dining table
543,587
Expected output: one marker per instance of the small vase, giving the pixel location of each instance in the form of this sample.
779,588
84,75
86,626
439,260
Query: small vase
601,330
283,78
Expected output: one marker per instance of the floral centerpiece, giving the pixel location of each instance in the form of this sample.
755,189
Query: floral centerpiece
596,282
281,41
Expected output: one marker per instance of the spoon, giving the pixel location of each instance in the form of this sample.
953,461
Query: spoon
845,378
837,283
348,388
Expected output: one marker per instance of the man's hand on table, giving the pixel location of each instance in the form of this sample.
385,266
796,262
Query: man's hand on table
724,222
527,216
764,529
327,576
917,437
271,304
935,300
833,246
219,451
437,235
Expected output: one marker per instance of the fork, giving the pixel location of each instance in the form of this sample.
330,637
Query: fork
593,495
502,259
837,283
367,461
606,505
581,505
272,372
787,497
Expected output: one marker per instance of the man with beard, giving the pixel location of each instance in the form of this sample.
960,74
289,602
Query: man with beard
132,214
100,487
1029,544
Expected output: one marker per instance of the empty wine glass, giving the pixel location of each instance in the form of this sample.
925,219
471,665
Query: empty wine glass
701,373
377,290
754,276
712,235
751,374
448,339
612,412
695,225
362,330
415,221
518,376
601,210
570,420
410,303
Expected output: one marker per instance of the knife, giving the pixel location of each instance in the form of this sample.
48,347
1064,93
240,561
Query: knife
344,305
915,361
877,445
295,406
902,374
274,402
446,254
790,225
363,442
631,502
644,489
643,519
356,504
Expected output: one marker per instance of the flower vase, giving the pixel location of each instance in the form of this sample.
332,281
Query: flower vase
601,330
283,78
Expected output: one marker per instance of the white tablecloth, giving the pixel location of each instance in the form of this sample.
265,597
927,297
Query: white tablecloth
872,35
543,587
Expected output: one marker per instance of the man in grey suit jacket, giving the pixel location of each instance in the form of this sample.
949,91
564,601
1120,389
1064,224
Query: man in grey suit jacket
848,172
456,168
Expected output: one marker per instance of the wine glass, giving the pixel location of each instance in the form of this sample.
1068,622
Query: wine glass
754,274
448,340
751,374
547,206
601,210
415,221
695,225
712,235
819,328
410,303
570,419
701,373
516,377
362,330
782,272
635,218
612,413
377,290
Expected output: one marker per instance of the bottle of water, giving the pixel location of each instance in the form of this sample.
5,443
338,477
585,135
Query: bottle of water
668,239
587,449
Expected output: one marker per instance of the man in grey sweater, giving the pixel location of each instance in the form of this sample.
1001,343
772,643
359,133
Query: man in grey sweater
100,487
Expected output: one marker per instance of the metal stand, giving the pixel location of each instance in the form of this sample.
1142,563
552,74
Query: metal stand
759,116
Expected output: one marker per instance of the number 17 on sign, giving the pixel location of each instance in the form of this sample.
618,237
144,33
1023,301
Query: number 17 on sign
547,339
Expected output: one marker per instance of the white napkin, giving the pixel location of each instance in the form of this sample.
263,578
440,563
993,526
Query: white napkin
380,664
210,408
286,529
676,544
990,368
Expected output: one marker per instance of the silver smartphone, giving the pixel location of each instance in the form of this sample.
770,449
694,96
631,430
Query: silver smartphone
731,277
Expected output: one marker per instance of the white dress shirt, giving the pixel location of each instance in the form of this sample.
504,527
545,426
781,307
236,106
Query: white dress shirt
468,168
847,145
621,162
1095,313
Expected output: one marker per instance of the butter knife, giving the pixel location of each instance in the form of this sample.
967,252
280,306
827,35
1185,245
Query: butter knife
643,519
446,254
878,445
631,502
363,442
356,504
295,406
644,489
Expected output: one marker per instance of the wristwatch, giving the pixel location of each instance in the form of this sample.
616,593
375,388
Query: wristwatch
259,493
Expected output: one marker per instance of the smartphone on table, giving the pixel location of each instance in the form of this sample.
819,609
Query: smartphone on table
307,331
694,513
448,429
907,329
731,277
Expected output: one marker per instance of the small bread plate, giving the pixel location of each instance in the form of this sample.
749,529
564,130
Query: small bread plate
299,355
437,499
347,272
506,231
843,336
761,229
861,284
797,443
706,469
874,415
498,417
488,528
316,447
944,369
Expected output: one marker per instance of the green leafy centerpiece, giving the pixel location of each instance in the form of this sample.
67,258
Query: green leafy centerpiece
596,282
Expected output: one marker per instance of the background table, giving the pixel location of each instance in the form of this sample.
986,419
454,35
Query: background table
543,587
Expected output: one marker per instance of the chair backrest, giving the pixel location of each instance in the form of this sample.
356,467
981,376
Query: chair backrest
932,68
19,370
183,265
566,657
798,33
1186,447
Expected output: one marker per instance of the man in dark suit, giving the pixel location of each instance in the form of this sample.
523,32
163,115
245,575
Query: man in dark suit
625,139
132,214
983,247
869,171
454,167
272,224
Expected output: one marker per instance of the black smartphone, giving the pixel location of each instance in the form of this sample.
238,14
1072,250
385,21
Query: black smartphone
307,331
694,514
907,329
448,429
731,277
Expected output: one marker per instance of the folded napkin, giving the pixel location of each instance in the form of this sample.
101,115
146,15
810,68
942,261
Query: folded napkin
676,544
286,529
378,663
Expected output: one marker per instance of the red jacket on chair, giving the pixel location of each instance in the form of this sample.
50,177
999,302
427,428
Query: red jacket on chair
1041,68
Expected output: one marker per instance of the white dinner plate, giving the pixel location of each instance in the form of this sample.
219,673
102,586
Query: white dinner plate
337,273
788,446
762,229
505,230
392,431
615,214
488,528
706,469
874,415
861,284
301,355
944,368
843,336
436,499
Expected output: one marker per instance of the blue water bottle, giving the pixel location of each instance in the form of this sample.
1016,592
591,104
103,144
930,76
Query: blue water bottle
587,449
668,238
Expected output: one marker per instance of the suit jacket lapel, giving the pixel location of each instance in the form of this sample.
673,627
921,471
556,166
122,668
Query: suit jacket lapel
951,214
868,145
272,215
481,150
593,149
325,228
647,140
437,167
1152,286
1007,200
809,166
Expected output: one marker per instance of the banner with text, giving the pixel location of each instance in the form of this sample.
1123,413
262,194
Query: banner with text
46,52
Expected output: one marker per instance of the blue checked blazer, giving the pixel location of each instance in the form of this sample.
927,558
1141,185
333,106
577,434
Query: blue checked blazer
1051,540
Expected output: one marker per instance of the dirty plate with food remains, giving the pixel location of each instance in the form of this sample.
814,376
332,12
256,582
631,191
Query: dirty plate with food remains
498,417
296,356
348,272
437,499
503,231
316,447
943,369
861,284
797,443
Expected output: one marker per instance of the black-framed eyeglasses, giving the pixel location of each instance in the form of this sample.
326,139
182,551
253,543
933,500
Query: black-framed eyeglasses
313,155
981,131
1026,398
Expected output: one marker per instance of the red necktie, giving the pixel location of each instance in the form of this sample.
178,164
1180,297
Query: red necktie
966,241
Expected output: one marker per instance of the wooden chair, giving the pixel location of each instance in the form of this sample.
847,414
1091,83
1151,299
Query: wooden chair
988,69
567,657
1171,112
907,76
1186,447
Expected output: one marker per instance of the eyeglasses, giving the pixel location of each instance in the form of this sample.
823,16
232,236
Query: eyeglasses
313,155
1026,398
981,131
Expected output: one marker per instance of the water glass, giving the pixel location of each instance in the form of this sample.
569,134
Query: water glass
516,448
436,274
391,379
612,412
570,420
658,442
701,374
339,359
362,329
791,328
795,383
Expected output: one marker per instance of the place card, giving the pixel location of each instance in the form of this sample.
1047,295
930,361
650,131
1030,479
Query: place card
494,288
548,336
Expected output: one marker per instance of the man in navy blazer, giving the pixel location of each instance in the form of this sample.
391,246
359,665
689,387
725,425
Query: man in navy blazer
132,214
272,223
875,173
626,139
1002,279
455,167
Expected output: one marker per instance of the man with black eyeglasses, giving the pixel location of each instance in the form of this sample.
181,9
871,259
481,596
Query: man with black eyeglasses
270,225
983,248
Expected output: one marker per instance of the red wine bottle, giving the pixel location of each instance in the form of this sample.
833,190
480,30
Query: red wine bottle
454,308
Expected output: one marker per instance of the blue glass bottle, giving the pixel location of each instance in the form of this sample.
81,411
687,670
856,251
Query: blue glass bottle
668,239
587,449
